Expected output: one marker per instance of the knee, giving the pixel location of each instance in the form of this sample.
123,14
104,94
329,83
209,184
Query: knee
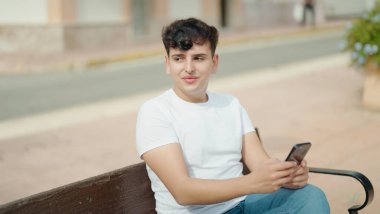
313,194
309,199
313,191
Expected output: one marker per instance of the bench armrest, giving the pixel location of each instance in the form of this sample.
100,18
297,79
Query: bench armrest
366,183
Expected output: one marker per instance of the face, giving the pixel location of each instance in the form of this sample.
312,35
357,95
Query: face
191,70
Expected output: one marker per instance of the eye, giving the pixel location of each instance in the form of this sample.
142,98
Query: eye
199,58
177,58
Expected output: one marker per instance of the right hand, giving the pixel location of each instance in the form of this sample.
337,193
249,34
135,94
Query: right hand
271,174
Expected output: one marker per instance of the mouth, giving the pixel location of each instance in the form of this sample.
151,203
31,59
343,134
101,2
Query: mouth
190,79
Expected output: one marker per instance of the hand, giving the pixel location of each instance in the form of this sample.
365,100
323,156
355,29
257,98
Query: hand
299,178
270,175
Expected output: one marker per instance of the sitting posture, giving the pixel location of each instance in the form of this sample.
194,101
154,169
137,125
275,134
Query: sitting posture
193,141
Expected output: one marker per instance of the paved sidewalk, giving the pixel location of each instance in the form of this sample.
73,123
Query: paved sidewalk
80,60
317,101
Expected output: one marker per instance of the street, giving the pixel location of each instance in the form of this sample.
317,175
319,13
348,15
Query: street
25,95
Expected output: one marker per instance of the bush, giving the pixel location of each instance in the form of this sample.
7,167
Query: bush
363,38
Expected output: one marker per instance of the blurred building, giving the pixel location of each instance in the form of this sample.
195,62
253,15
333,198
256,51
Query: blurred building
65,25
347,8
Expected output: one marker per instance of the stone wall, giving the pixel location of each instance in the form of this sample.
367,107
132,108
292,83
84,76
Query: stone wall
45,39
92,36
31,39
267,14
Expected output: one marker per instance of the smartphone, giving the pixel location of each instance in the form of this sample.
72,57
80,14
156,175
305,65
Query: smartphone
298,152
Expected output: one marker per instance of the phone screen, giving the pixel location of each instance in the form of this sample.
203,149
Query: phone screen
298,152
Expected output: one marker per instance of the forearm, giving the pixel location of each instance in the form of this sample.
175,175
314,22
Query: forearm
268,176
204,191
168,164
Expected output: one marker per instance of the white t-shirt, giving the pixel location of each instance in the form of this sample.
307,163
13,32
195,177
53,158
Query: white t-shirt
210,135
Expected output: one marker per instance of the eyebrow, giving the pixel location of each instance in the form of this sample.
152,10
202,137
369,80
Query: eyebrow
201,54
195,55
177,55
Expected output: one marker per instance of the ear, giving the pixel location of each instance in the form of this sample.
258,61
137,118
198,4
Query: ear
215,59
167,67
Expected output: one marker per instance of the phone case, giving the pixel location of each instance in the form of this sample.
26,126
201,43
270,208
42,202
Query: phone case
298,152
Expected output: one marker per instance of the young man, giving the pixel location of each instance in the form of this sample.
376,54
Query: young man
193,140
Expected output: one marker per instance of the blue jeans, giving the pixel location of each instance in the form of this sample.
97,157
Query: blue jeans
310,200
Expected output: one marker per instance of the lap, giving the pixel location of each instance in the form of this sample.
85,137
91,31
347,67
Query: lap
309,199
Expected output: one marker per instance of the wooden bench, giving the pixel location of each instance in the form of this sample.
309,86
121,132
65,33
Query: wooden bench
125,190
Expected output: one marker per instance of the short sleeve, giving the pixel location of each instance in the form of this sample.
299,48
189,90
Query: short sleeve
153,128
246,121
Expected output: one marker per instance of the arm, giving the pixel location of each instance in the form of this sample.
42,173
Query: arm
168,163
253,151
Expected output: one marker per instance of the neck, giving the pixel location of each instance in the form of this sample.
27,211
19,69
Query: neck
191,98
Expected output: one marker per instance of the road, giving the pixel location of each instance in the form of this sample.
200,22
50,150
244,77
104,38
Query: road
29,94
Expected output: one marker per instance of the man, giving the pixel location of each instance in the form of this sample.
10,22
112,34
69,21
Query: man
193,140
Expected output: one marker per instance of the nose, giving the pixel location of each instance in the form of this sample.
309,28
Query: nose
189,67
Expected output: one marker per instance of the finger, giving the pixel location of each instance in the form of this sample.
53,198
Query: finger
283,181
284,165
290,186
301,171
294,185
304,163
300,179
299,184
284,173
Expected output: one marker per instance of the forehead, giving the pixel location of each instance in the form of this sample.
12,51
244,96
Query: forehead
196,49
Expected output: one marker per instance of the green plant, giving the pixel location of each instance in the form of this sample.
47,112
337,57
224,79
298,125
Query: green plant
362,38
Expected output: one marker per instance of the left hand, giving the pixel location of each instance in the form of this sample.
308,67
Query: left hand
300,177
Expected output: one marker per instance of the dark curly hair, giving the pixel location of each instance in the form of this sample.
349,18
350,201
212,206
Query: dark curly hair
184,33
